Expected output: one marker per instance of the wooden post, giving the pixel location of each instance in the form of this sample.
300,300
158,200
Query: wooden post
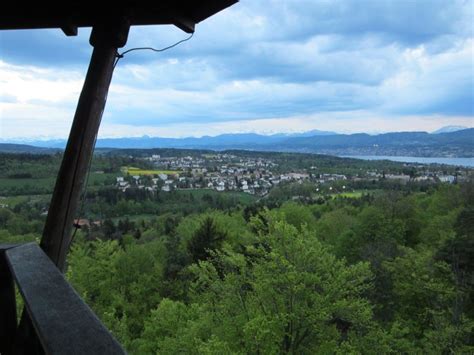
105,38
8,323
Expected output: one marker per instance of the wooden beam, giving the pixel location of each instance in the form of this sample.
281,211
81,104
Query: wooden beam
184,23
105,38
69,30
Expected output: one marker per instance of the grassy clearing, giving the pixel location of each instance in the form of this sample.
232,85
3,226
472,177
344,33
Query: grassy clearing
12,201
42,182
40,186
137,171
15,187
96,179
354,194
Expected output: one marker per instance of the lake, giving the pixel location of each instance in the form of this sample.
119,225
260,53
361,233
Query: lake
469,162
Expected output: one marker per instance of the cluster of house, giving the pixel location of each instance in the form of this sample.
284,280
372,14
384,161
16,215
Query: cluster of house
221,172
209,160
252,175
255,182
324,178
259,182
423,176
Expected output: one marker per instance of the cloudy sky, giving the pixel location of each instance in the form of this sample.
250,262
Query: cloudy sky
260,66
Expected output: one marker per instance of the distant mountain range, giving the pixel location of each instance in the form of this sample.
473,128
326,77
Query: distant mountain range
160,142
421,144
459,143
449,129
26,148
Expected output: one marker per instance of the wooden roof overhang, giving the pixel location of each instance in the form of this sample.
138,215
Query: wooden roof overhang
184,14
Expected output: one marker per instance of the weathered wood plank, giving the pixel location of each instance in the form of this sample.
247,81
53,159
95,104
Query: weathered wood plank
5,247
63,322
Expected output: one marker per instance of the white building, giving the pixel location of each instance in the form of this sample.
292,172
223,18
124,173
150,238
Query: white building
447,178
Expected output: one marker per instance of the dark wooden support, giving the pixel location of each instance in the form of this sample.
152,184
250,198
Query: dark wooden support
61,320
8,322
69,30
105,39
26,341
186,24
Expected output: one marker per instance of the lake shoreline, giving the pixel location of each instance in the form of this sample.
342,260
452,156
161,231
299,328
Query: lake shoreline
464,162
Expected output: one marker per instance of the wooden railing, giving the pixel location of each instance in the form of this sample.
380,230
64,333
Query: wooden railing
62,322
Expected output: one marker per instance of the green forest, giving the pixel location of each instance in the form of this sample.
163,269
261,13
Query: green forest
386,271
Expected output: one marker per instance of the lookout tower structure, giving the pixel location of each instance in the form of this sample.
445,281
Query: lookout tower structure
27,264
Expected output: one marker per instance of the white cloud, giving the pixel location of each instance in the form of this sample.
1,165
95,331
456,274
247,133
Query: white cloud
33,120
33,84
287,65
426,81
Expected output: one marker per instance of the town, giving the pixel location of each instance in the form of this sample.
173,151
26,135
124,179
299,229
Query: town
255,175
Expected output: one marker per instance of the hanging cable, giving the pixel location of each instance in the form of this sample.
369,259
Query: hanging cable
121,55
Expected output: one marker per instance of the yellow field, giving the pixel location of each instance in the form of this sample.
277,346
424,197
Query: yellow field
136,171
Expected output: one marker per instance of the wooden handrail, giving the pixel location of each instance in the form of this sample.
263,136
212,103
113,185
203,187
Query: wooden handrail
63,323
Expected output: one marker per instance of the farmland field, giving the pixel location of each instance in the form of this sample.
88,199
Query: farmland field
38,186
354,194
12,201
41,186
137,171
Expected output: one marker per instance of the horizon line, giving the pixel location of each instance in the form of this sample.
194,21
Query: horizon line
267,134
